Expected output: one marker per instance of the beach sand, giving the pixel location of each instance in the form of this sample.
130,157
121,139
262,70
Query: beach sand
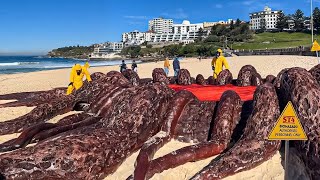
265,65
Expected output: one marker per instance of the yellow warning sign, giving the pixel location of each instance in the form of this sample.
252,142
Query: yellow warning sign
288,126
315,46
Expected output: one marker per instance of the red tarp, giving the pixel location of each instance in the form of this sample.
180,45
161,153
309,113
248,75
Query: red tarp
213,93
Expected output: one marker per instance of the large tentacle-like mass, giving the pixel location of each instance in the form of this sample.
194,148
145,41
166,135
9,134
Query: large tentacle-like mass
200,80
245,75
88,93
158,75
301,88
253,148
224,77
177,105
93,151
36,98
184,77
32,98
40,114
228,116
315,71
132,76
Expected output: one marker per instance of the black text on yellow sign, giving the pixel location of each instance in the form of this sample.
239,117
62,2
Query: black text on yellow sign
288,126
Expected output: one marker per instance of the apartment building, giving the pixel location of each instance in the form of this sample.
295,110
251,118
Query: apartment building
267,17
160,25
186,27
136,37
108,47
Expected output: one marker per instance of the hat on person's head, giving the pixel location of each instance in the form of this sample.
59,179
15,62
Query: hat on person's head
77,67
219,50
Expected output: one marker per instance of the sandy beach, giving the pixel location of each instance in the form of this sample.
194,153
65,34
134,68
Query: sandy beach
265,65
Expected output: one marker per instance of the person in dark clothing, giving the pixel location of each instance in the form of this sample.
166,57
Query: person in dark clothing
176,66
123,66
134,66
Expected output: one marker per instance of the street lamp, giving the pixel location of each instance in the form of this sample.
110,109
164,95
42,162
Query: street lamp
311,22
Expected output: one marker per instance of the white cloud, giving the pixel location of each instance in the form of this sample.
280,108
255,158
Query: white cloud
248,2
219,6
136,17
179,14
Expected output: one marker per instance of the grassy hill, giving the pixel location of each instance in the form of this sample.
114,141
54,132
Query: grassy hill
276,40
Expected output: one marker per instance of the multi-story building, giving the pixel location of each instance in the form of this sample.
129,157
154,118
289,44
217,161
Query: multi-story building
160,25
209,25
267,18
186,27
136,37
178,37
185,33
108,47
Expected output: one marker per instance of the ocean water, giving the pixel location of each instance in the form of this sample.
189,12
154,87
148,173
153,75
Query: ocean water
21,64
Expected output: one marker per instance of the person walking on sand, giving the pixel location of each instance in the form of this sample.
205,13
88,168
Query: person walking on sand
76,76
176,66
123,66
218,62
166,66
134,66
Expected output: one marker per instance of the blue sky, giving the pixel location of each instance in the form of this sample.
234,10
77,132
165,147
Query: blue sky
37,26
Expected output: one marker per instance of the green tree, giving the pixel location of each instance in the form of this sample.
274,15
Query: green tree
231,25
238,22
282,21
316,18
212,38
201,33
149,46
298,18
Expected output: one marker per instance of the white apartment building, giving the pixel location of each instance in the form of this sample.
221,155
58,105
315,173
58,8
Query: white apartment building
186,27
210,24
160,25
136,37
175,37
185,33
267,15
108,47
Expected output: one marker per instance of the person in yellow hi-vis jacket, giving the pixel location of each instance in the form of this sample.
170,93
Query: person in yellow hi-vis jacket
218,62
76,76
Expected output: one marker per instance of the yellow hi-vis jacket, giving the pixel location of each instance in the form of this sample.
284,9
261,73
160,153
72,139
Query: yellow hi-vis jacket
77,80
166,63
218,64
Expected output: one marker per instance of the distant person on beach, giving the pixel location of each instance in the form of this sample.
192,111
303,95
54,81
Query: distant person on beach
123,66
166,66
76,77
176,66
218,62
134,66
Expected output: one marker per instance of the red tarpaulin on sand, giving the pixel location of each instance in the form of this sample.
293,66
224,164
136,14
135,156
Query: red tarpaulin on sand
213,93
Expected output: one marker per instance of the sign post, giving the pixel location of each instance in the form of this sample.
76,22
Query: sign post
288,127
316,48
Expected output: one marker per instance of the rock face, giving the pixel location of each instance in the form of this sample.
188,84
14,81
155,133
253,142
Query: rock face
158,75
301,88
224,77
253,148
315,71
245,75
270,79
132,76
184,77
200,80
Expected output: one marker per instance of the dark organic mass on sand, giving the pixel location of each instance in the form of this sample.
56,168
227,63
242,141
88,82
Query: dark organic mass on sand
122,113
